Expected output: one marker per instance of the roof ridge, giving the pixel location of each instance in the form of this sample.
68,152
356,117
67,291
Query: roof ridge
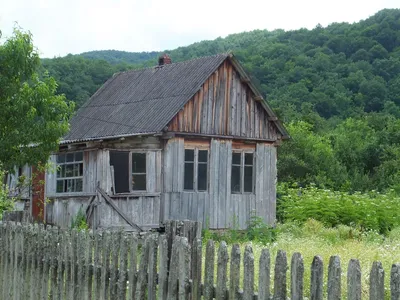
226,54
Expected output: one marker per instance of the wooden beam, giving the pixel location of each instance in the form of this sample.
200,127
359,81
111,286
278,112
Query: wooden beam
245,80
273,118
258,98
121,213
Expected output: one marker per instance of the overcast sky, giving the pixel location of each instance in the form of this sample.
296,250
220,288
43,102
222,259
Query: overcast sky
60,27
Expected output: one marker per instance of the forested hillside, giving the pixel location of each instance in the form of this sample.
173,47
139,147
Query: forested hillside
336,88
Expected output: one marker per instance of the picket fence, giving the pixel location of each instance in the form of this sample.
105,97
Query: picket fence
38,263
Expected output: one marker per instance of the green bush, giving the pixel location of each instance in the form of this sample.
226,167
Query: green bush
6,203
79,221
371,211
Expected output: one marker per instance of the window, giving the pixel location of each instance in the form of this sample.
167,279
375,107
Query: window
69,172
129,171
196,169
242,172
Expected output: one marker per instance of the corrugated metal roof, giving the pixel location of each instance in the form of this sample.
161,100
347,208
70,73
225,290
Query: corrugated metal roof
141,101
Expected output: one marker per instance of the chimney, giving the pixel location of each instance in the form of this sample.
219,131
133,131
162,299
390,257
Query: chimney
164,60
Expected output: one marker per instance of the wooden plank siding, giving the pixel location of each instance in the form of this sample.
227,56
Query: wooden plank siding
218,207
224,105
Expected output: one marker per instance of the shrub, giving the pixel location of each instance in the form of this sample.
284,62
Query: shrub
79,221
6,203
371,211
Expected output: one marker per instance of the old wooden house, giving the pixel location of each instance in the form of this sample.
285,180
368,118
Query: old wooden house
189,140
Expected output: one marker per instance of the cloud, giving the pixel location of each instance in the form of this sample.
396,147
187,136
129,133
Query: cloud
60,27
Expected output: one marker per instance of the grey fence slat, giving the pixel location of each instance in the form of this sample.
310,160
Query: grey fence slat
209,271
317,278
141,283
376,282
280,276
83,253
334,278
96,265
89,265
248,270
395,282
121,292
196,268
184,268
105,263
77,284
173,270
296,277
264,280
163,268
39,263
234,281
152,273
354,280
222,263
133,245
116,237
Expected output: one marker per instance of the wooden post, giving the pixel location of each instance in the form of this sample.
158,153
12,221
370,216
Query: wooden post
280,276
317,278
196,268
209,271
234,282
152,272
248,268
334,279
221,291
163,269
184,268
354,280
395,282
296,277
264,281
376,282
133,245
141,283
174,271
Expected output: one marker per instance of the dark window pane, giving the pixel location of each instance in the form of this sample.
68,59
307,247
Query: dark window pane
138,162
189,155
70,157
120,161
248,179
78,185
139,182
203,155
202,177
248,159
76,170
235,179
188,176
70,185
69,170
236,158
78,156
61,158
80,169
59,168
60,186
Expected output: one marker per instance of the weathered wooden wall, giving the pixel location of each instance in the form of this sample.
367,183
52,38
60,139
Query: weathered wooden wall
224,105
218,207
143,208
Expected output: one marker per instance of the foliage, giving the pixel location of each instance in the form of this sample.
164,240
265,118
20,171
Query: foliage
368,211
79,221
33,118
6,203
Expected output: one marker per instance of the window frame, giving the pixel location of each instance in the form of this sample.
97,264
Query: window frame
131,172
65,178
242,169
196,168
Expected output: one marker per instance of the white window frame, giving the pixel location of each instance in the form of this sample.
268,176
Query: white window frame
242,168
66,178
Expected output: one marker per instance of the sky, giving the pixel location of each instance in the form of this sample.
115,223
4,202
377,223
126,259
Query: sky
60,27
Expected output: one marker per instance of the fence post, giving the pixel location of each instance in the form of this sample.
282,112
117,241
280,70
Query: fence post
296,277
133,245
376,282
209,271
395,282
334,278
280,276
196,268
152,273
141,283
222,271
317,278
173,271
121,285
248,268
354,280
234,273
184,268
163,269
264,281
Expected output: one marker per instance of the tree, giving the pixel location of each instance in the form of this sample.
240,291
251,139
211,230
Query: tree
32,117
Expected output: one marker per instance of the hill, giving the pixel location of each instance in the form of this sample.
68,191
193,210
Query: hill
337,88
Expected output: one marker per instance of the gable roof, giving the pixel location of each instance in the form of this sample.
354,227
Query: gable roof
140,102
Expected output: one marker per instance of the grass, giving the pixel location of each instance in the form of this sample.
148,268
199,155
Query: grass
313,238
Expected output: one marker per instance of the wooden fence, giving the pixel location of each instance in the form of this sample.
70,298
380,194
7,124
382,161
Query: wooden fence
38,263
